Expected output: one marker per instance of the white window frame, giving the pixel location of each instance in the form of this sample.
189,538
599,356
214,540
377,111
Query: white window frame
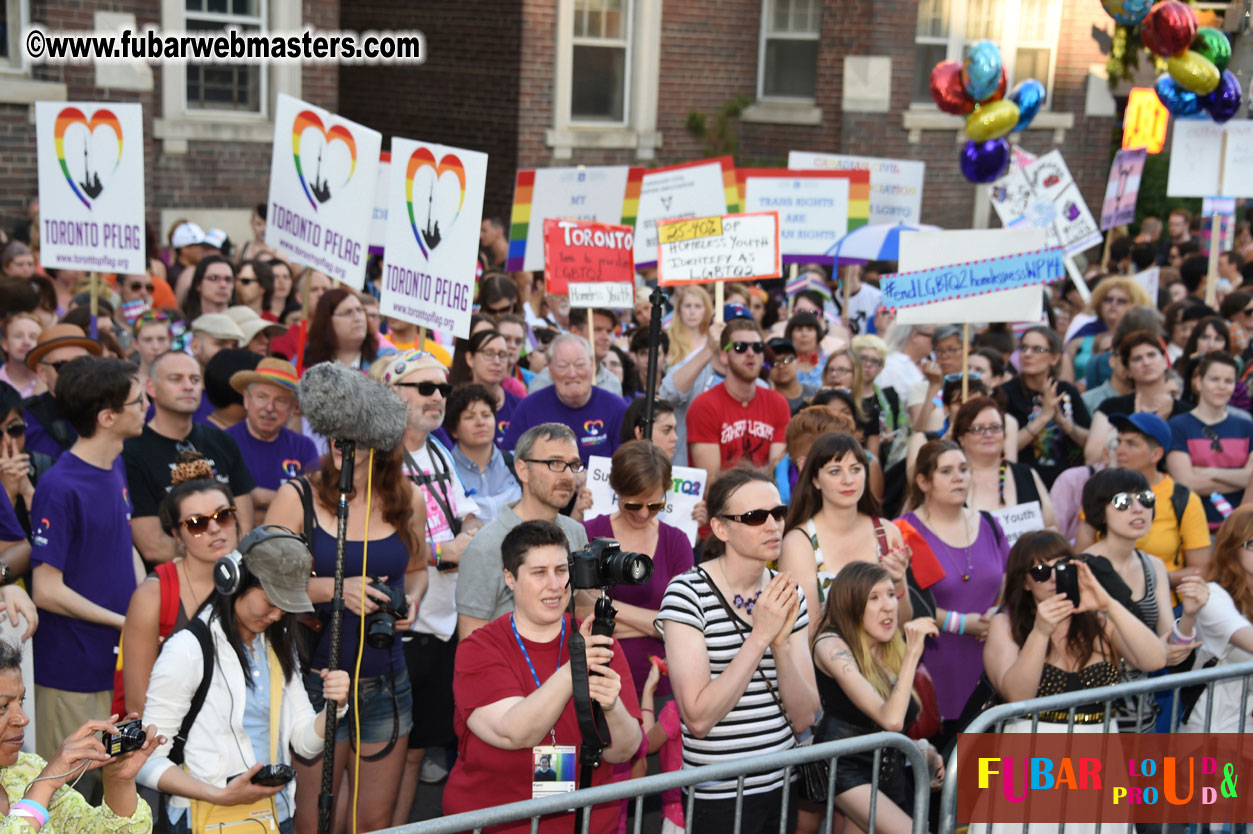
765,34
628,14
16,84
16,12
226,19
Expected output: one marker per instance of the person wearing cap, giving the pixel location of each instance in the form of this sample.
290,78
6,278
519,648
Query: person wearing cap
251,633
82,558
187,241
216,243
273,453
211,333
255,331
603,323
47,430
781,366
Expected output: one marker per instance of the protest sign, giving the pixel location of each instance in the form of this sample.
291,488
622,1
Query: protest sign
733,247
378,220
1149,280
1145,120
973,278
323,171
91,186
927,250
605,194
1023,518
1122,188
682,495
1207,158
816,208
591,262
895,184
693,189
434,211
1043,195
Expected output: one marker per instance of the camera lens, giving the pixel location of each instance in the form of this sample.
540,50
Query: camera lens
628,568
380,630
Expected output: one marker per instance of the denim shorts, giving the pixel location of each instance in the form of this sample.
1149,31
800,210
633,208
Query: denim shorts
386,707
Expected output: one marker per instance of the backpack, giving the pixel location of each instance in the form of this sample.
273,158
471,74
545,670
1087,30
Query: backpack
167,575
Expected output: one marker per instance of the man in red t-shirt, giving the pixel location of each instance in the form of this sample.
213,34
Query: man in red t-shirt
738,419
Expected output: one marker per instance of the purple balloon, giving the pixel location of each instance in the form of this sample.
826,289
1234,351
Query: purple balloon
1224,101
984,161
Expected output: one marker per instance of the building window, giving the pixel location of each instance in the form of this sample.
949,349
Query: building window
11,22
1025,30
601,61
787,64
236,87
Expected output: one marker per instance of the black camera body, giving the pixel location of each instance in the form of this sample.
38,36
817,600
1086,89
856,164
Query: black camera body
603,564
380,627
1066,579
273,775
130,736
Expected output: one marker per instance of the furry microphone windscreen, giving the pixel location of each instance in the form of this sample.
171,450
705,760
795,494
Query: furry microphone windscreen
341,403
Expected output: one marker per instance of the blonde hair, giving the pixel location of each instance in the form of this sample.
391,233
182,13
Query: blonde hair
1120,282
870,340
683,340
846,607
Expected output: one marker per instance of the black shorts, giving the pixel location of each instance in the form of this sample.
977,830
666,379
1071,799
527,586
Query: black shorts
430,663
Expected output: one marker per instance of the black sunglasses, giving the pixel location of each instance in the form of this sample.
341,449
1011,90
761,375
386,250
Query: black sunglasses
1215,443
426,389
136,287
1041,573
1123,500
636,506
15,430
756,518
198,524
499,311
57,366
744,347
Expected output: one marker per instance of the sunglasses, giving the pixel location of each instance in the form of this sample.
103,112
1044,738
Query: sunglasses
57,366
136,287
15,430
1123,500
500,311
426,389
1041,573
243,282
756,518
785,359
1215,444
744,347
198,524
636,506
957,376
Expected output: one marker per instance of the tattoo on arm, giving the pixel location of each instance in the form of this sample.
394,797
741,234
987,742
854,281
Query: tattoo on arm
844,658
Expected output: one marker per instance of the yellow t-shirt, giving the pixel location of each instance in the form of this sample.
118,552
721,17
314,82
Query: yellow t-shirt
1167,538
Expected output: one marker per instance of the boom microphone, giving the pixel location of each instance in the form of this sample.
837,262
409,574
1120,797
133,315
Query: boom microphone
343,404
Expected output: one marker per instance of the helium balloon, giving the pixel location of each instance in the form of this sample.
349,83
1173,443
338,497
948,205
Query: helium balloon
1193,72
1213,45
992,121
1169,28
1177,100
984,161
1224,101
1000,89
1029,96
1127,12
981,71
947,90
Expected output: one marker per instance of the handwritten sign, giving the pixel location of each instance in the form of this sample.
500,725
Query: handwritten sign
734,247
591,262
1202,164
1043,195
693,189
681,497
1023,518
1122,188
895,184
949,283
1145,121
816,208
91,186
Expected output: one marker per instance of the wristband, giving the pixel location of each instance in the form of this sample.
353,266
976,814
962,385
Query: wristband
32,810
645,709
961,627
437,550
1178,637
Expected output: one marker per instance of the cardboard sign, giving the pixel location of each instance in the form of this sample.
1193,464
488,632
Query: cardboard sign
970,279
1149,279
607,194
1145,121
733,247
323,171
681,498
1202,165
91,186
693,189
816,208
895,184
591,262
378,220
1043,195
434,211
1122,188
1015,521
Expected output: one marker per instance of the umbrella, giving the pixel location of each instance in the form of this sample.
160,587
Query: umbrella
874,243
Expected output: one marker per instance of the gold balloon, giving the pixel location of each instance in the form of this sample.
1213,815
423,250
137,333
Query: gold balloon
992,121
1194,72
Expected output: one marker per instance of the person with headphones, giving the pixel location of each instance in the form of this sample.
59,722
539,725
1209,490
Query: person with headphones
227,694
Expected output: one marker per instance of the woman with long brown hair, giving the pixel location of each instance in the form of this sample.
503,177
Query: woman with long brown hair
339,332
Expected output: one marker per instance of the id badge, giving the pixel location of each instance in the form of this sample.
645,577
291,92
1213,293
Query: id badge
553,770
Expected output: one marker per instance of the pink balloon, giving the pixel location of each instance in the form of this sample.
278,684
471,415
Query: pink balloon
947,89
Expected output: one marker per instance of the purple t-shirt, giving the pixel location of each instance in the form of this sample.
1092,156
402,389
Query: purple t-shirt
37,437
275,462
596,426
81,518
673,557
10,528
504,415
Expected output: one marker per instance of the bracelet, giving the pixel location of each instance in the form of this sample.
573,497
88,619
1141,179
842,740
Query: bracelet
961,628
437,550
1178,637
645,709
31,810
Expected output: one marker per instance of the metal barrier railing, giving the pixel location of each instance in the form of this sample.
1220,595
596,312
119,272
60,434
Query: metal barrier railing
638,789
994,719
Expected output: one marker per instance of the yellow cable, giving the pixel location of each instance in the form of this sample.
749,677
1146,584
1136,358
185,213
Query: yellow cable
356,677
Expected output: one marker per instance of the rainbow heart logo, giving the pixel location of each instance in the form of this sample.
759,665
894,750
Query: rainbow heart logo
593,426
430,235
320,190
90,187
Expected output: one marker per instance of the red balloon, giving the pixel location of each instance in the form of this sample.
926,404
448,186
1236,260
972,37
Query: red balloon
947,89
1168,28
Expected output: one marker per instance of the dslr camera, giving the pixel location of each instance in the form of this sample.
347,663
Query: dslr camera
130,736
603,564
380,627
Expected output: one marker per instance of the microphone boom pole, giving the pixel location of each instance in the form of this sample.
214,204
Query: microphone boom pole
658,300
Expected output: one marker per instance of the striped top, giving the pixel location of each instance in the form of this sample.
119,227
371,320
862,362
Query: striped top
755,725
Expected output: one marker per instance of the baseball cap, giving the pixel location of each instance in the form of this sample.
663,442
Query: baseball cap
283,565
404,365
186,234
779,345
735,311
1146,423
214,238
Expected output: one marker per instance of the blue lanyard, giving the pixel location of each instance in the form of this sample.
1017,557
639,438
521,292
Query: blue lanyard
527,657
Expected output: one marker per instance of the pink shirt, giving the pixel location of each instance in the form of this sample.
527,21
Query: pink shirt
26,390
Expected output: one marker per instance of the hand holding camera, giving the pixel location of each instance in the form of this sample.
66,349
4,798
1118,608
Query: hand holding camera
361,596
391,607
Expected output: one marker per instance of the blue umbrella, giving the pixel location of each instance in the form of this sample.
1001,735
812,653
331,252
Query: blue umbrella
874,243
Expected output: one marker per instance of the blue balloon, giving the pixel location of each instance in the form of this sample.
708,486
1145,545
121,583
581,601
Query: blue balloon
1178,101
1127,12
1224,102
981,70
984,161
1029,96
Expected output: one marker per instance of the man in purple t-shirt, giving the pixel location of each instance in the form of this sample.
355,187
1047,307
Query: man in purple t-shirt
273,453
84,563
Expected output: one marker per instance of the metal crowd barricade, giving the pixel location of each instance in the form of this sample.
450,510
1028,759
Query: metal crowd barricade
994,719
638,789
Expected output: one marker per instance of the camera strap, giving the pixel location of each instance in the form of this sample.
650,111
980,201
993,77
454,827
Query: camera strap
436,483
592,724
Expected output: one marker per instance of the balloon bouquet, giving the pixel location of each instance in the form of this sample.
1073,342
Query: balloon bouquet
975,88
1196,77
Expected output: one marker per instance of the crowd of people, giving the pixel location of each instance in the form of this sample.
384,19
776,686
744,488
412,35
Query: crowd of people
849,567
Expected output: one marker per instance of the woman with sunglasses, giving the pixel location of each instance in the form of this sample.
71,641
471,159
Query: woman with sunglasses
746,685
487,363
979,428
135,293
20,467
254,281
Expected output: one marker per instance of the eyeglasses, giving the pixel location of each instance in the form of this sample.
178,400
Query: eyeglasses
785,359
756,518
957,376
871,361
744,347
951,351
989,430
1036,349
1116,300
636,506
137,401
1248,311
1123,500
15,429
198,524
136,287
494,355
1215,443
426,389
499,311
835,371
1041,573
559,465
56,366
